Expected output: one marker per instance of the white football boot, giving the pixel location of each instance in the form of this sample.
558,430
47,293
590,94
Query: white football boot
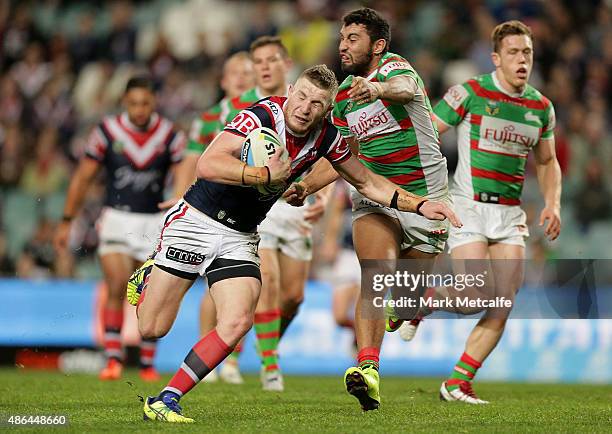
463,393
230,373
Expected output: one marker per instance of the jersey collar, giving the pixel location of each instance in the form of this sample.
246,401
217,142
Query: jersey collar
501,88
260,95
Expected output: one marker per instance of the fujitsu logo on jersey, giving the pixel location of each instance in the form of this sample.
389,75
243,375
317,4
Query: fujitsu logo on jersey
366,123
507,135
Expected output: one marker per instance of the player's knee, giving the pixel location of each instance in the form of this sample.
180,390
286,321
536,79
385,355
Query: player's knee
152,329
292,301
270,282
236,326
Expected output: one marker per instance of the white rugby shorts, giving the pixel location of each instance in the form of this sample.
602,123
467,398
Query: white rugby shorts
488,222
422,234
130,233
192,244
284,229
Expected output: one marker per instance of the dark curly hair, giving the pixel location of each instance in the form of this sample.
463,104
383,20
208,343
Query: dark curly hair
376,26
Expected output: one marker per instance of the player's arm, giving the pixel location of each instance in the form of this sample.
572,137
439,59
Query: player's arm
442,127
549,179
221,163
383,191
400,89
79,184
184,173
201,133
315,210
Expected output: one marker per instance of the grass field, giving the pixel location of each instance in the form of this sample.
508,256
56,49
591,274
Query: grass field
309,404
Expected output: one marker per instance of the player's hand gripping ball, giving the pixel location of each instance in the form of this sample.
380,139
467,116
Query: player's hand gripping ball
257,149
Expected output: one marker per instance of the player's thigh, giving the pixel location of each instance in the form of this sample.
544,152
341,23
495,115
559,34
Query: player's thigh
508,265
377,236
294,273
235,299
160,302
117,268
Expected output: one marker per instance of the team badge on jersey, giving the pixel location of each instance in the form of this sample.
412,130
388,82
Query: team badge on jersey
118,146
492,108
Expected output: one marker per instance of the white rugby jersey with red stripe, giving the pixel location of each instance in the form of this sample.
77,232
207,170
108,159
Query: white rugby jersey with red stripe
137,160
243,208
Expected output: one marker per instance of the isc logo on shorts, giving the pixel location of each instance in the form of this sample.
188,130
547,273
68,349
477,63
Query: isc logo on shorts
184,256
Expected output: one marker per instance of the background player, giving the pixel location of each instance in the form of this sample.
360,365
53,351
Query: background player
138,148
237,78
216,223
499,119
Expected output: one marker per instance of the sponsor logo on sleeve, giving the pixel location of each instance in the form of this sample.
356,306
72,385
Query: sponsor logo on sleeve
455,96
394,66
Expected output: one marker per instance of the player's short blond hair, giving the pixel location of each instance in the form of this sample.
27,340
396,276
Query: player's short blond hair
508,28
262,41
240,55
322,77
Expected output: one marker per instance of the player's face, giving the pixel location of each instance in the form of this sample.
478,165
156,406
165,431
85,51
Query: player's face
140,105
514,61
356,49
306,106
271,67
238,77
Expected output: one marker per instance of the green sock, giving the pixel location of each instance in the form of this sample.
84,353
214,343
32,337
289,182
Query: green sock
267,329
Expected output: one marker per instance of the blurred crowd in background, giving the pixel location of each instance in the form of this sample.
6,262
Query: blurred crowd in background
64,64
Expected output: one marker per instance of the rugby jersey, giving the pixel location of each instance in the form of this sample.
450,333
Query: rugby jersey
496,131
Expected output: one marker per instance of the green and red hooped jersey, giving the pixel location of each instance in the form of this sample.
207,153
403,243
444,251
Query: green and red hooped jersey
496,131
397,141
205,128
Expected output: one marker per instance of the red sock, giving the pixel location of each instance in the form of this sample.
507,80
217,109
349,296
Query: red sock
203,358
368,356
147,352
113,321
347,323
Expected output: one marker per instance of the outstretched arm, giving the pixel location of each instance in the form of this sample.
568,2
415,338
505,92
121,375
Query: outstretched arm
381,190
549,179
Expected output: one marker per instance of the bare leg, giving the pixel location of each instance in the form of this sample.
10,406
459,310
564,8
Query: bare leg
375,236
293,276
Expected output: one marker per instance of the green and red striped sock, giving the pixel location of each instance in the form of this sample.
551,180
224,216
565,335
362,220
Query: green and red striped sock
368,357
464,370
267,329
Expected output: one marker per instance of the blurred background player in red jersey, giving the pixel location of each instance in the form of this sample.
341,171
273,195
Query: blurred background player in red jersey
138,148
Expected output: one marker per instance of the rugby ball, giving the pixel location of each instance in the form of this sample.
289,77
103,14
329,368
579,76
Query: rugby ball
257,149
